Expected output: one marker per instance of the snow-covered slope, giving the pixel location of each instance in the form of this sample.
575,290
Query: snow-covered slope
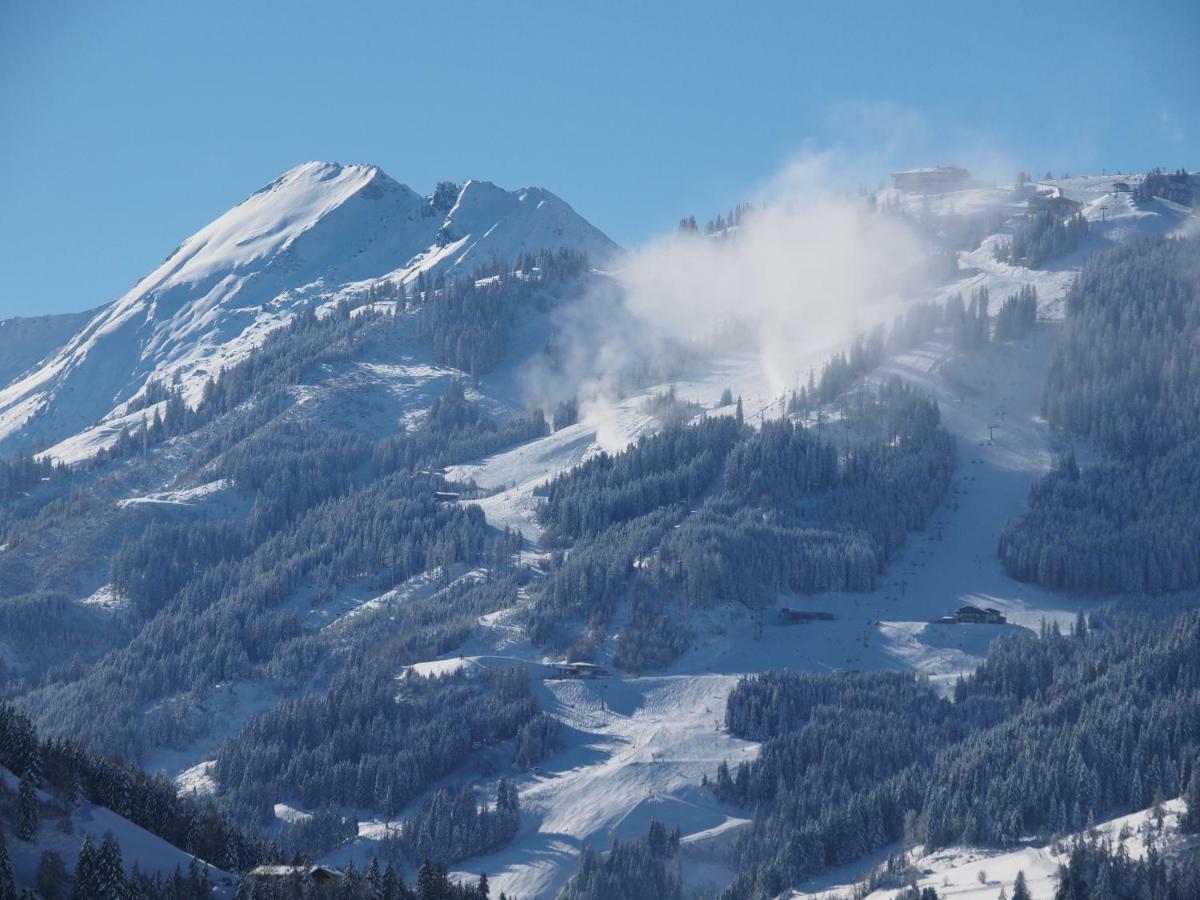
295,242
150,853
27,340
965,873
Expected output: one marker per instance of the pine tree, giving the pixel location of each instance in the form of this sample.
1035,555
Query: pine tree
52,877
433,883
109,870
27,810
1080,628
1020,889
393,887
1190,821
374,878
85,872
8,888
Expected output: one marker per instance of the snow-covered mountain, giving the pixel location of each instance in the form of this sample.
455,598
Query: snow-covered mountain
298,241
636,745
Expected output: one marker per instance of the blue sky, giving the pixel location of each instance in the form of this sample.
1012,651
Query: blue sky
124,127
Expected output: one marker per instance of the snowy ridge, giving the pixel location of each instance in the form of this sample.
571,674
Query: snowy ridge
290,245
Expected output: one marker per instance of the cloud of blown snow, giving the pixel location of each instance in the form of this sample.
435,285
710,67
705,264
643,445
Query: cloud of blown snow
808,268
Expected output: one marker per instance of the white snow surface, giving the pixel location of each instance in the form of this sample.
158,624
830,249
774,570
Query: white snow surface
311,233
960,873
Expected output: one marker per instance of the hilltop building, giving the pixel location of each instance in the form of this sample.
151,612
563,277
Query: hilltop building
933,180
973,615
578,670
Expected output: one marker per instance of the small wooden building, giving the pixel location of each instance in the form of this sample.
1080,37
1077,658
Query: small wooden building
1054,203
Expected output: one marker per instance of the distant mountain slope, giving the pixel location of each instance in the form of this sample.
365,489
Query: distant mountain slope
27,340
295,242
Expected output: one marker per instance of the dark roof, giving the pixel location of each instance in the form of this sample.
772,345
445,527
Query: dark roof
318,873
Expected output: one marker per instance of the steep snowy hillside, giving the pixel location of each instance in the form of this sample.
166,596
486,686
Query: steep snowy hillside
27,340
294,243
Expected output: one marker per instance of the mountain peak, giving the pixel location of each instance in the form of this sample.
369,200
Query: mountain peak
293,243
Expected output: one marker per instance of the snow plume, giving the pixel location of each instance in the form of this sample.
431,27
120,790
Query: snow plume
808,270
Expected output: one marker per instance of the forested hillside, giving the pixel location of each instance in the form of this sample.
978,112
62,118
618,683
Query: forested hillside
717,512
416,732
1050,733
1040,237
647,868
1126,376
223,599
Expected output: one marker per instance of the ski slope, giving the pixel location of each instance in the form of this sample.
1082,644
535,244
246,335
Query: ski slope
638,745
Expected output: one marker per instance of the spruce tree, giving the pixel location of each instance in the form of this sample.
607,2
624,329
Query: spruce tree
8,887
85,872
27,810
427,881
110,871
52,877
1020,889
374,877
1189,822
392,884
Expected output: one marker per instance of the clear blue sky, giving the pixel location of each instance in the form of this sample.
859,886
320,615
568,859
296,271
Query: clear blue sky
126,126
